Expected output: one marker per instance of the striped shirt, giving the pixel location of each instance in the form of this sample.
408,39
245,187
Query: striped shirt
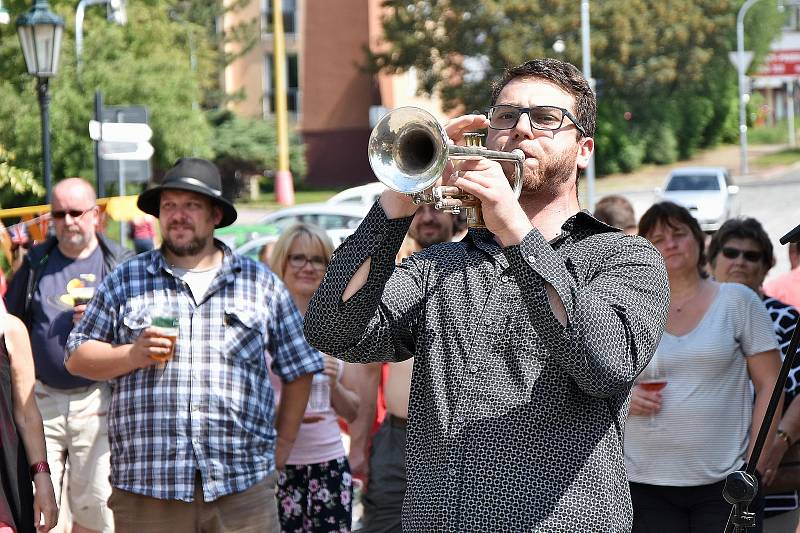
211,409
702,431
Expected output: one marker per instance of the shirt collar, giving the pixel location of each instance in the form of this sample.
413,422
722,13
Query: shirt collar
231,262
582,221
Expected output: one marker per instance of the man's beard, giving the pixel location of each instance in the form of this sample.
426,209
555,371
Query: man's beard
550,175
191,248
424,241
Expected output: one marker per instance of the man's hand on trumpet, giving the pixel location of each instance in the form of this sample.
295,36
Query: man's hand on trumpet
486,180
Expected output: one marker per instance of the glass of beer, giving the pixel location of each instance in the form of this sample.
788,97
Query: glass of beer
167,324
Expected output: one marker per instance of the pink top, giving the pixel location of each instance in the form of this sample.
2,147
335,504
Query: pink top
316,442
142,229
785,288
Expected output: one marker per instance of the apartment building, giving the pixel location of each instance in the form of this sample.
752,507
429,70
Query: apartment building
333,101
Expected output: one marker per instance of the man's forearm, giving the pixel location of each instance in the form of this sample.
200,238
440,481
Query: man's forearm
294,398
101,361
368,378
790,423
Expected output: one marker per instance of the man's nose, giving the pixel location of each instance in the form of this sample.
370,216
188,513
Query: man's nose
523,127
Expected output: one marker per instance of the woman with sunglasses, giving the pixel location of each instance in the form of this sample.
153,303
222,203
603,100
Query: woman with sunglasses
741,252
315,490
717,340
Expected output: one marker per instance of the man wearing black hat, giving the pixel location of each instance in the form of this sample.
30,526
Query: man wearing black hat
193,444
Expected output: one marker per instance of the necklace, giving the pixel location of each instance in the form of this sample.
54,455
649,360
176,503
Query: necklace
678,308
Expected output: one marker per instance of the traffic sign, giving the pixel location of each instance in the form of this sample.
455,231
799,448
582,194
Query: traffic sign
747,56
125,151
129,132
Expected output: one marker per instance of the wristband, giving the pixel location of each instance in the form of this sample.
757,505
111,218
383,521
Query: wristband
38,468
785,436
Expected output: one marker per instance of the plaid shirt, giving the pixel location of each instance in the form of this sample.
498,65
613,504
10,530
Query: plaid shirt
211,409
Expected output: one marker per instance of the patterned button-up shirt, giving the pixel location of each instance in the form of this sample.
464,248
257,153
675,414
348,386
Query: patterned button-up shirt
515,421
211,408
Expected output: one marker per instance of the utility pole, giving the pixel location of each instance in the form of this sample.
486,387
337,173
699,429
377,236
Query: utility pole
284,186
587,73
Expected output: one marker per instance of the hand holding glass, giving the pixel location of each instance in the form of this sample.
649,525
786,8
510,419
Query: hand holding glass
652,379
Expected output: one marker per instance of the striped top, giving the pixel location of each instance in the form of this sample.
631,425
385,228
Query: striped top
703,429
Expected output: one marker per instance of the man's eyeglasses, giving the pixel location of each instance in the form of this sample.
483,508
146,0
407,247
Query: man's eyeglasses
543,117
749,255
298,261
74,213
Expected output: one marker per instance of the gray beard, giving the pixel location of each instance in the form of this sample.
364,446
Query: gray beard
192,248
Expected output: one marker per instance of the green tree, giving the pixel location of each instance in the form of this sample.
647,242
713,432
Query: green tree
663,65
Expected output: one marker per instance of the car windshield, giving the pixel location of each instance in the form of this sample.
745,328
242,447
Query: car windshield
693,182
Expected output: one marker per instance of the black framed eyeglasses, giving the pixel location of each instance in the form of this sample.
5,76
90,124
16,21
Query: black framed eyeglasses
298,261
749,255
74,213
542,117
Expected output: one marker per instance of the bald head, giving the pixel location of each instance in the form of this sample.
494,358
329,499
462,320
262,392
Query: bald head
76,187
75,217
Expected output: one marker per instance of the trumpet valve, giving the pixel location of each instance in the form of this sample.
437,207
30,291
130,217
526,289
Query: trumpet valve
473,140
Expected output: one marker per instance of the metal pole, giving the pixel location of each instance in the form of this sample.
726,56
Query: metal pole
44,104
790,112
79,14
587,73
284,186
98,172
743,168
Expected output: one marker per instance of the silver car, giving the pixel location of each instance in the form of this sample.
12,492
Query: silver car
707,192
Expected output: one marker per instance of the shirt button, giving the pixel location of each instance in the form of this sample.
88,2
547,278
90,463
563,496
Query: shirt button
379,236
531,259
473,368
460,419
487,322
451,471
504,279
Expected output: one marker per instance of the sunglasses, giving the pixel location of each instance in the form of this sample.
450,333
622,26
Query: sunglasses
749,255
74,213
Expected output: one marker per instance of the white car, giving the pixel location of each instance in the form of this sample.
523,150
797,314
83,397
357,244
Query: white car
360,195
252,249
706,192
327,216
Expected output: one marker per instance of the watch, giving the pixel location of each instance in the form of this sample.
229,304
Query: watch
38,468
785,436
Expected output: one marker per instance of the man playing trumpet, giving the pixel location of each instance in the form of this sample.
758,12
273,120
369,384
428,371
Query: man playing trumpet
527,335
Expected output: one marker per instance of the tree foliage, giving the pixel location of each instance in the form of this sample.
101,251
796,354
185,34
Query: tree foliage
168,57
665,84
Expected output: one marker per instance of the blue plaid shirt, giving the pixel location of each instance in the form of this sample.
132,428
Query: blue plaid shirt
211,409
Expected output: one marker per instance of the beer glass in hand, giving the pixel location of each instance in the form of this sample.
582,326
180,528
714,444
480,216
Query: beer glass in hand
652,379
166,321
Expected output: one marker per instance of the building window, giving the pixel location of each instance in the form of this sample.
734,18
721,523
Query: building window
792,21
289,16
292,84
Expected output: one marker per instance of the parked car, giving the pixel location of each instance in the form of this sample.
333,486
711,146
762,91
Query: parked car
362,194
707,192
326,216
252,249
238,234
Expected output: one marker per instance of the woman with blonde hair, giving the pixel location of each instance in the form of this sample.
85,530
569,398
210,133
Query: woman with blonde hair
315,489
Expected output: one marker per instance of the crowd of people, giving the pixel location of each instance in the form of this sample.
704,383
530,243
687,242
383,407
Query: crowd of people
554,371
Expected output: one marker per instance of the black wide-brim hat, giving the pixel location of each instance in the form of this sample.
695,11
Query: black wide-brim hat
195,175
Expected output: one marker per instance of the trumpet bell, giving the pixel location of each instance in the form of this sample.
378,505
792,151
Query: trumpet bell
408,150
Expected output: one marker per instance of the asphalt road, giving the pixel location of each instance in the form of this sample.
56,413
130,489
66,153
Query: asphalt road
773,201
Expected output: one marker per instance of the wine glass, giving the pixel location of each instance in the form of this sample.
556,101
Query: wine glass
652,379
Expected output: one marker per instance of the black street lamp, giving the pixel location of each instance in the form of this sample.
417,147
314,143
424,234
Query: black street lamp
40,32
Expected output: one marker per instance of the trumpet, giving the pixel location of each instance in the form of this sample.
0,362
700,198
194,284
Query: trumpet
408,151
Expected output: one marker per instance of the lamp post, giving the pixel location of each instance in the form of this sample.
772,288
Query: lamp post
741,67
587,73
40,31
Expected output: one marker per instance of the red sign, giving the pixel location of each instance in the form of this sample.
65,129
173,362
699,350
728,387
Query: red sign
781,63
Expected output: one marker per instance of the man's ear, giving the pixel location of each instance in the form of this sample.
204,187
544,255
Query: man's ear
585,151
217,215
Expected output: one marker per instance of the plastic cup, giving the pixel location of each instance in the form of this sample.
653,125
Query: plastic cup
168,327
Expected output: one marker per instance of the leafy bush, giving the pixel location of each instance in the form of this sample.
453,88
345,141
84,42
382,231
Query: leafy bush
661,145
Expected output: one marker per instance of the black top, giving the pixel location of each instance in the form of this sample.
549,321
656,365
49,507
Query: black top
515,421
16,490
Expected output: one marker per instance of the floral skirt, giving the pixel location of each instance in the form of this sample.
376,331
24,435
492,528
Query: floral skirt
316,498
